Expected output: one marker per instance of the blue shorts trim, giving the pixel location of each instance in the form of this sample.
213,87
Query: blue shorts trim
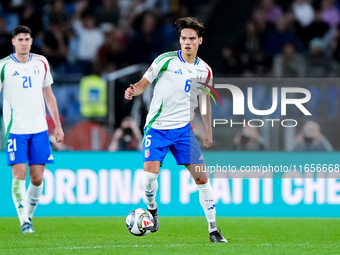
34,149
181,142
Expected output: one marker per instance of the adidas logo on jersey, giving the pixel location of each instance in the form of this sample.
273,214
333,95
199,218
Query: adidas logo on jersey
201,157
50,157
179,71
15,73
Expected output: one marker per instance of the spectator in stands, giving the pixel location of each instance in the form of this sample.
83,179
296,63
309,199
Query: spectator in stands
131,10
58,13
112,53
126,137
32,18
146,42
318,65
303,12
276,38
248,139
318,28
272,10
260,19
231,65
289,64
250,42
260,64
311,139
329,13
5,39
90,37
107,12
55,47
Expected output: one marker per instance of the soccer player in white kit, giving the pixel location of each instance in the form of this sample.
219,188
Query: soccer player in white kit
26,81
168,125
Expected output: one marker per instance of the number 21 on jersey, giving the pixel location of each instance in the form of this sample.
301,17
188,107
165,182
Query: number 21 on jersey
27,80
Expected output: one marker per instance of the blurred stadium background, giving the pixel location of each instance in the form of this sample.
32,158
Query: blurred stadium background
97,48
117,39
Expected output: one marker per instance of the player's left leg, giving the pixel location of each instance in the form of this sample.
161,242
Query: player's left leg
35,188
185,142
206,197
39,154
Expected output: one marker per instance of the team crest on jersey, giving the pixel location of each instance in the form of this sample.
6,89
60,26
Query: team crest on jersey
199,74
147,153
36,70
150,69
12,156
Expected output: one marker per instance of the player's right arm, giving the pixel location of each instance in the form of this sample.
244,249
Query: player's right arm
137,88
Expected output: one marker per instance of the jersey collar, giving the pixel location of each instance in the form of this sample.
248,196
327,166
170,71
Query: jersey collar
17,61
179,54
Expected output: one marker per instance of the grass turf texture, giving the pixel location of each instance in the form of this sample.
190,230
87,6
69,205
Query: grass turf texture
177,235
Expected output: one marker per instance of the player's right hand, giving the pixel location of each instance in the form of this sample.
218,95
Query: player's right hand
129,92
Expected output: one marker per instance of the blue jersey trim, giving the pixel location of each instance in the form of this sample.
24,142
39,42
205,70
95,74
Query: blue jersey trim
14,58
17,61
179,54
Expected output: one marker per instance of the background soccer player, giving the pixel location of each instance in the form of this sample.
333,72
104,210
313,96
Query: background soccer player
168,121
26,80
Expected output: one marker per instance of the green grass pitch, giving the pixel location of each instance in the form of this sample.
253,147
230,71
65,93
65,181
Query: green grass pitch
177,235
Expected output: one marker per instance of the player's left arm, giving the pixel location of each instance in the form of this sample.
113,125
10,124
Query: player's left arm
51,103
208,137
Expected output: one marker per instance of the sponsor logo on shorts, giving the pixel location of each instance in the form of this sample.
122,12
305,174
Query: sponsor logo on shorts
12,156
147,153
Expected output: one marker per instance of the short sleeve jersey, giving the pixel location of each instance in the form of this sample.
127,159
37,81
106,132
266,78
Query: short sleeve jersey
22,85
177,85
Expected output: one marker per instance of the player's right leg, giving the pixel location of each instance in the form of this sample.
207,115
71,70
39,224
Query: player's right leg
16,156
150,185
155,148
19,196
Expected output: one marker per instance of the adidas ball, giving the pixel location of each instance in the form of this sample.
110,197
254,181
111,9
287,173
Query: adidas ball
139,222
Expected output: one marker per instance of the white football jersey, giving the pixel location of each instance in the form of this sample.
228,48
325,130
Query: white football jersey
22,85
177,85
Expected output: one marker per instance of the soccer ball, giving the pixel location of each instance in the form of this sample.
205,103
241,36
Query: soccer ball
139,222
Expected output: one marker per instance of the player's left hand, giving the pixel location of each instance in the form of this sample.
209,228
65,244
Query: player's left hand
207,139
59,134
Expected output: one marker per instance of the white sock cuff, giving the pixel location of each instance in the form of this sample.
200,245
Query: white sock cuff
150,181
204,186
18,181
150,176
35,191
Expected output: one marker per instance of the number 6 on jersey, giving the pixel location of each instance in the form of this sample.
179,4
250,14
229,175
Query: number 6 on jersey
147,141
187,85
